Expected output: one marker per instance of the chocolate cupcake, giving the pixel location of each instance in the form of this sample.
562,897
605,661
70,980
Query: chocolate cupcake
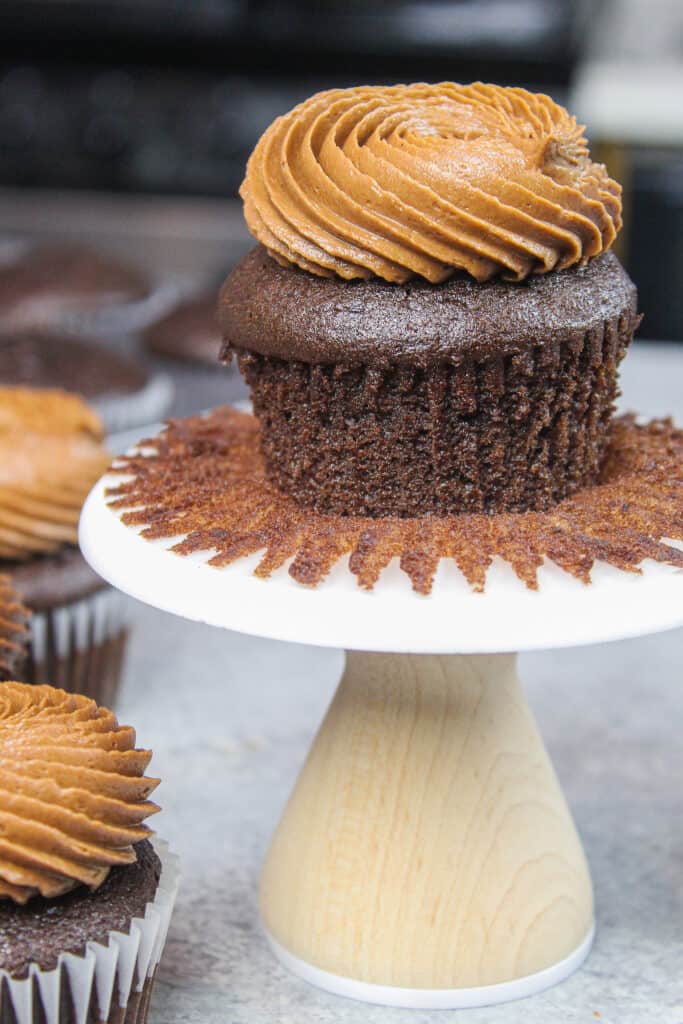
120,388
433,322
51,455
85,896
14,632
76,287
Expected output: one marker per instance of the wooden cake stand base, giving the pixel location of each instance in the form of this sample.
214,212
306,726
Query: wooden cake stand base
427,856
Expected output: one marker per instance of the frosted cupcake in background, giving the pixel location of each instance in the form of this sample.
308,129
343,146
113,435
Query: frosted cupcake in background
51,454
78,288
86,895
124,393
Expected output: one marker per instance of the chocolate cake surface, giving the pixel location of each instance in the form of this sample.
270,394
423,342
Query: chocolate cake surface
41,930
289,313
379,399
42,359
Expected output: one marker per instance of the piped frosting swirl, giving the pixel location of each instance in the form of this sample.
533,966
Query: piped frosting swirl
424,180
73,792
51,454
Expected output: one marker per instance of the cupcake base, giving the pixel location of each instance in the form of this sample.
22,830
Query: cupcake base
508,434
79,626
80,647
419,399
110,981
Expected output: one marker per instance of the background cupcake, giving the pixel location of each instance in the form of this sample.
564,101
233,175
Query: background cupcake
52,453
14,632
122,391
75,287
433,322
85,896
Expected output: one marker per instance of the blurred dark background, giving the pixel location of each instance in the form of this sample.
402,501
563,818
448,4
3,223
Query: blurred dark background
130,121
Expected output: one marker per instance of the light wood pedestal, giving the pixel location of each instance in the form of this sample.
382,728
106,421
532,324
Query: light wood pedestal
427,844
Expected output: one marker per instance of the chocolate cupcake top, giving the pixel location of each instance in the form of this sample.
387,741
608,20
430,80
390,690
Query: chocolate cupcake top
293,315
423,180
73,792
14,632
51,454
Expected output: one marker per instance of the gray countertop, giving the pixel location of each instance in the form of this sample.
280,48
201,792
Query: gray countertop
230,719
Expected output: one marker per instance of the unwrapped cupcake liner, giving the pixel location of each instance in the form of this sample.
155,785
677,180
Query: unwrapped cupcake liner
150,404
80,646
109,984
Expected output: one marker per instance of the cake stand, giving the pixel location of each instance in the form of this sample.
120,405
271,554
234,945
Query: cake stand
427,857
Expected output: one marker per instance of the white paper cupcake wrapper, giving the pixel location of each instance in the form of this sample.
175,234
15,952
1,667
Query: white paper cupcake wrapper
69,644
151,403
112,972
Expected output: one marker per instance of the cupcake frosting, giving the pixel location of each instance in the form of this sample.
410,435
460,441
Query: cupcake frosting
425,180
51,454
73,792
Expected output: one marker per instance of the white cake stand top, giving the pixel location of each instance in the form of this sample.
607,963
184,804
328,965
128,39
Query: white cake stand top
563,612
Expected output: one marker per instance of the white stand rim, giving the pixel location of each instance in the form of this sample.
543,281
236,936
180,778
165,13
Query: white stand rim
434,999
508,616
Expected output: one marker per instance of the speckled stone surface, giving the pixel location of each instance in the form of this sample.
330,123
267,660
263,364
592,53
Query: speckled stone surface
231,718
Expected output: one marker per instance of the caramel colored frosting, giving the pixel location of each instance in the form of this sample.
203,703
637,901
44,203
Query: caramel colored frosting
73,792
51,454
423,180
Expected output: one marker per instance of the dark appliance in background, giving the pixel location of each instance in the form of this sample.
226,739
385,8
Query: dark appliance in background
655,240
169,96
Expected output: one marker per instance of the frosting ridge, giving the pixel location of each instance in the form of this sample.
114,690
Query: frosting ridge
424,180
51,454
73,793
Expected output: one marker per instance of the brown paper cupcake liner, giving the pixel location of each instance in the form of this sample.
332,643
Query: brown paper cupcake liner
109,984
509,433
80,647
203,479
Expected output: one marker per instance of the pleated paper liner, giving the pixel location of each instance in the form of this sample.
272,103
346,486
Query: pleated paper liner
109,984
204,479
485,435
80,646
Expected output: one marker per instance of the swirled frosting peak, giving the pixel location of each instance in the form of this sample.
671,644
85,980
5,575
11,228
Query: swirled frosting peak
73,792
423,180
51,454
